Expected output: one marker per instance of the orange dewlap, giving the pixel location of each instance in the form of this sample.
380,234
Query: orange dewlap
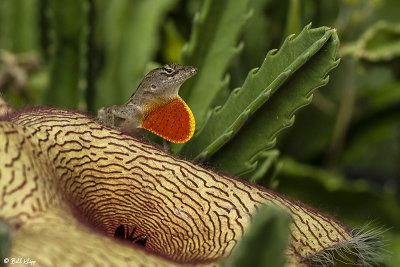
173,120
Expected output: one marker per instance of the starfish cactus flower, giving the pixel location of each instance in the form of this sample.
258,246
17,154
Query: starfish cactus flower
70,185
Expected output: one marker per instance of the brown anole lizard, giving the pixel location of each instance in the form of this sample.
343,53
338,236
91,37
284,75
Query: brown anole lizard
156,105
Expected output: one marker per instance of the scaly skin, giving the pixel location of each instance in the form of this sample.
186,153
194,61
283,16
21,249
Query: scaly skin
157,88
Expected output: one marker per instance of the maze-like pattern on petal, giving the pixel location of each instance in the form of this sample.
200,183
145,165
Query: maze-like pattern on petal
189,214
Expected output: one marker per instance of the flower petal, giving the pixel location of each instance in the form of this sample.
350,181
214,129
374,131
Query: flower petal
65,175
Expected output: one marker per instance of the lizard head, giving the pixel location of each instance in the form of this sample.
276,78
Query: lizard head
163,82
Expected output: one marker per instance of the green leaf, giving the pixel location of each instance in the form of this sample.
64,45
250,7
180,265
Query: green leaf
131,39
256,36
266,159
18,28
381,42
381,155
265,242
259,86
212,45
5,241
293,19
174,42
67,65
240,154
393,258
377,90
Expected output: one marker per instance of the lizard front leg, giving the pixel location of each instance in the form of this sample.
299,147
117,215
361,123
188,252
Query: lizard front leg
106,116
128,117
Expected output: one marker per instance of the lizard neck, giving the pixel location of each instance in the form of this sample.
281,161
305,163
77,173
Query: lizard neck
144,96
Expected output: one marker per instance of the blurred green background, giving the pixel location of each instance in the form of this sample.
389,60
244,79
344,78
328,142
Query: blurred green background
342,155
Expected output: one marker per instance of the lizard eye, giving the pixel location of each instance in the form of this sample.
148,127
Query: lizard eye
168,69
153,87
